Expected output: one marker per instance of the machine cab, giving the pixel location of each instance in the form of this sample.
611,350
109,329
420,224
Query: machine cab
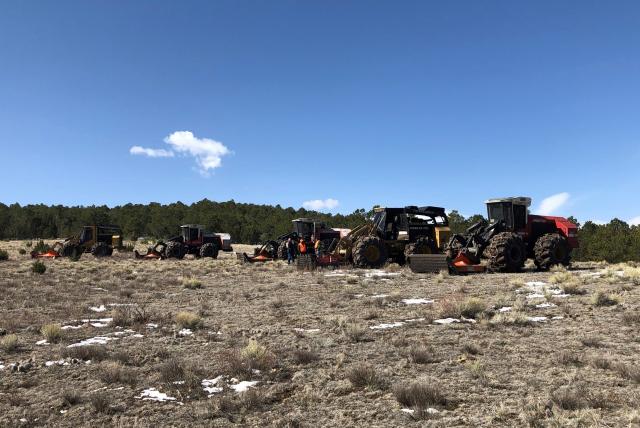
192,233
304,227
512,211
87,234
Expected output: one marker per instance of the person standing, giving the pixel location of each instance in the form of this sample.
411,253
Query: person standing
317,247
291,251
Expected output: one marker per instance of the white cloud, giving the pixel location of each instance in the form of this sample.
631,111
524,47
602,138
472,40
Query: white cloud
207,152
553,203
635,221
319,204
152,153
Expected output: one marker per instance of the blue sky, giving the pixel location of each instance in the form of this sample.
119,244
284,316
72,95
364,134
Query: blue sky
362,103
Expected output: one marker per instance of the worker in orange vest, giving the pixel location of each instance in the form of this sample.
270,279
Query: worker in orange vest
316,246
302,246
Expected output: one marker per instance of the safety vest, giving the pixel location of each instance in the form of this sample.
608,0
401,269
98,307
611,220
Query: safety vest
302,247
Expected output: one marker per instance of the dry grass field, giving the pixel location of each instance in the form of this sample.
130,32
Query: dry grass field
129,343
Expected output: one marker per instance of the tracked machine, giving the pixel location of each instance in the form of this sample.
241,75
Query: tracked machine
509,237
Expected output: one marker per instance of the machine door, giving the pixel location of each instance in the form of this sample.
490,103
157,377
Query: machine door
304,229
190,234
519,217
501,211
86,235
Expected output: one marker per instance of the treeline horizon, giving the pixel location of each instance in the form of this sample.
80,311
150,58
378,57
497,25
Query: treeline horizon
616,241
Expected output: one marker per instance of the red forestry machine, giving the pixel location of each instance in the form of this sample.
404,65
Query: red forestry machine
193,240
510,237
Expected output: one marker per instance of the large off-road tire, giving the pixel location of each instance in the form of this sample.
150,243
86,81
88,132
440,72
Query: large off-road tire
306,261
207,250
506,253
174,250
369,252
550,250
423,245
100,249
283,253
71,250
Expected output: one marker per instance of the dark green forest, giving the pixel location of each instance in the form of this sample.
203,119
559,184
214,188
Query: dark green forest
250,223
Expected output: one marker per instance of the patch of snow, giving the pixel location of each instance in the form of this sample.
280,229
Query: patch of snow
535,284
384,326
537,319
244,385
210,385
178,382
416,301
155,395
57,363
42,342
430,410
98,340
100,308
2,366
415,320
152,325
557,318
535,296
446,321
379,273
309,330
379,296
505,309
545,305
185,332
71,327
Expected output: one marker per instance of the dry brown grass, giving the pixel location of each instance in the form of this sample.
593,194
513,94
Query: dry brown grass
188,320
365,376
421,395
9,343
53,333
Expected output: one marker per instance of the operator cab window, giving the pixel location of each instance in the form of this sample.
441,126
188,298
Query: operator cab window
87,234
193,234
519,216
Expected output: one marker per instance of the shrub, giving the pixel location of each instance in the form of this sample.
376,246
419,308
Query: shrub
354,332
365,376
9,343
304,356
22,251
188,320
71,397
631,317
52,332
113,372
568,398
192,284
561,277
472,306
41,247
568,358
421,395
257,357
600,298
628,372
422,355
101,402
172,370
572,287
4,255
38,267
86,353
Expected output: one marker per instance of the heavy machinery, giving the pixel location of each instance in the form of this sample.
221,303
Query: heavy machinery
393,234
99,240
195,240
510,236
303,228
